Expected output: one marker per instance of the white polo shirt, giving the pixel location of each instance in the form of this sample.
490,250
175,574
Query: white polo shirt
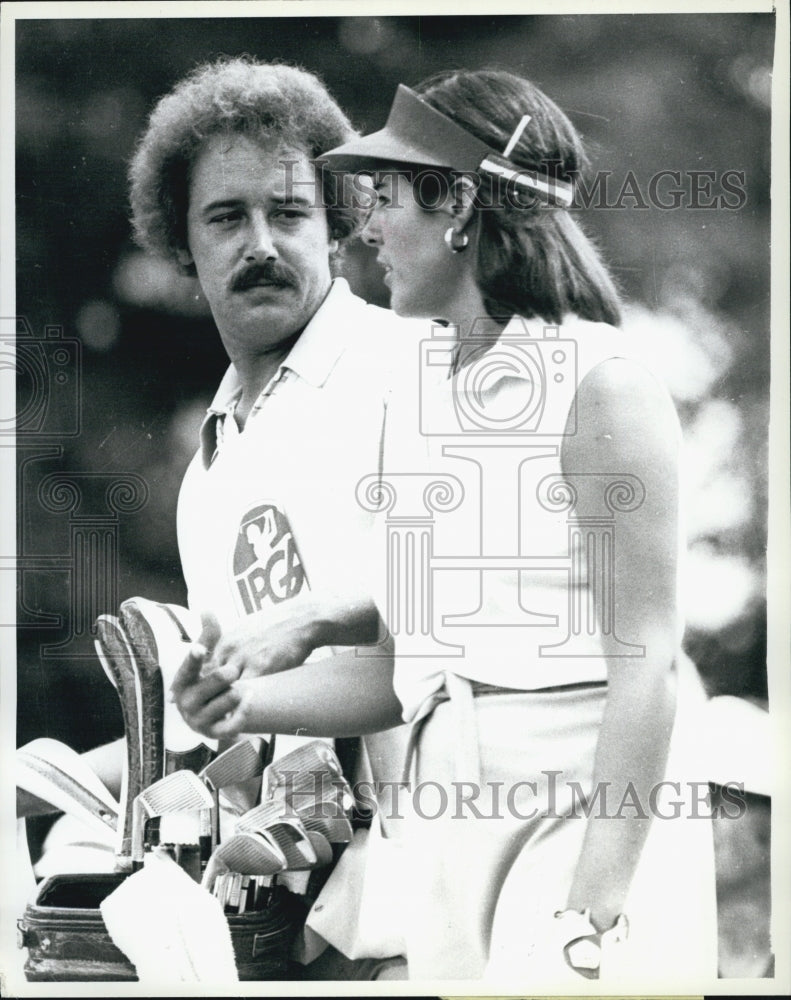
270,511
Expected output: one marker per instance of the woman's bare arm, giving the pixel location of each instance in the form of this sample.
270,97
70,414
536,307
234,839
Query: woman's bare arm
343,695
627,425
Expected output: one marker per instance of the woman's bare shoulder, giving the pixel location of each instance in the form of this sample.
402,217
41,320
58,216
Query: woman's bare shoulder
622,412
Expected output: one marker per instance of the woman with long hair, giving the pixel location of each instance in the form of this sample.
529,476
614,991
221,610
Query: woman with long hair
540,662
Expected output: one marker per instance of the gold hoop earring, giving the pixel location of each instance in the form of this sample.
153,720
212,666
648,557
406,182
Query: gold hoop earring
456,241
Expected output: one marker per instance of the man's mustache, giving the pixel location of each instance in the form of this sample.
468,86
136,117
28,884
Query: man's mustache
269,272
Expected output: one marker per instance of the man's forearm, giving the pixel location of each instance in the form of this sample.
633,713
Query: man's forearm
270,643
343,620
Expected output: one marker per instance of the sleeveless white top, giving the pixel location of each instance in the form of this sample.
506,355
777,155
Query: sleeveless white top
486,568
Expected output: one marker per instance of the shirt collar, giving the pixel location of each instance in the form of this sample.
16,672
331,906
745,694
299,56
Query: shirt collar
312,358
325,337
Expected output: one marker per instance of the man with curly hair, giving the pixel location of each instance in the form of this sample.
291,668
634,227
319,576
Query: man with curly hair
225,183
269,123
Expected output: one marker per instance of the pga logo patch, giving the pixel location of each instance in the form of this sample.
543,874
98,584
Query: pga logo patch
266,567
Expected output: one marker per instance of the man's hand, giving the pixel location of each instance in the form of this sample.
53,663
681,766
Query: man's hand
342,695
205,695
253,649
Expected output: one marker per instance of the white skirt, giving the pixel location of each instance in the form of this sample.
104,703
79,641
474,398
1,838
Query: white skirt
486,874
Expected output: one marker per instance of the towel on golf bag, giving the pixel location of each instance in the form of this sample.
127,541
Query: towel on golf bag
171,929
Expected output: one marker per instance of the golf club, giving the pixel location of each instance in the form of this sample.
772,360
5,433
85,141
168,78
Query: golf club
117,659
162,632
247,853
180,792
321,847
240,762
336,829
152,697
305,770
286,831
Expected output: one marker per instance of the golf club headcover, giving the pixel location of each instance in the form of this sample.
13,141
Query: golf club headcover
160,635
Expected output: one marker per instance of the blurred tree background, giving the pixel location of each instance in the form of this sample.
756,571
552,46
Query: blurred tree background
650,93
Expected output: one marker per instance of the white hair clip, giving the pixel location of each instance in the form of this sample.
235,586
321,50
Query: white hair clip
517,135
548,189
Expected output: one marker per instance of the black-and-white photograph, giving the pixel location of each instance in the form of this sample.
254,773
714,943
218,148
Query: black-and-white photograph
395,535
